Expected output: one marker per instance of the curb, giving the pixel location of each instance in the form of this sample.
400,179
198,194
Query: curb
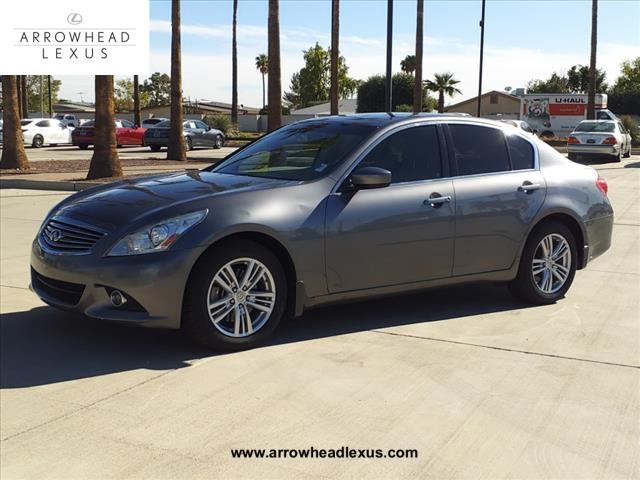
63,186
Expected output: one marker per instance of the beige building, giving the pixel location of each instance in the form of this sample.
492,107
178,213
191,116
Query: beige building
494,104
198,108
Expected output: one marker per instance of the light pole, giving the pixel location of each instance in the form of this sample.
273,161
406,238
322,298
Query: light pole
388,80
481,58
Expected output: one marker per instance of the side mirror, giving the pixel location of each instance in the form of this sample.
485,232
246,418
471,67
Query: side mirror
370,177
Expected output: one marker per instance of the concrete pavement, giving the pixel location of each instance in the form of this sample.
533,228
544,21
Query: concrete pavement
479,384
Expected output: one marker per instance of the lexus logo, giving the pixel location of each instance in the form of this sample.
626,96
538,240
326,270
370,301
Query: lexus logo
74,19
55,235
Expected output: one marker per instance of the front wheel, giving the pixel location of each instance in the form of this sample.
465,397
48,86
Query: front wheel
83,146
218,142
188,144
235,296
547,266
154,148
38,141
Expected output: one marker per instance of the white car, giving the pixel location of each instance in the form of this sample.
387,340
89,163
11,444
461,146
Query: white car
67,119
599,137
44,131
522,125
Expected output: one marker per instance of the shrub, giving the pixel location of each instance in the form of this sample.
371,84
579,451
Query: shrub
219,121
631,125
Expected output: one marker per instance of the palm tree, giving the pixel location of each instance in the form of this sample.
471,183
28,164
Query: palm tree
176,147
25,96
234,67
275,85
262,64
19,94
105,161
13,153
591,96
417,86
335,53
408,65
443,83
136,101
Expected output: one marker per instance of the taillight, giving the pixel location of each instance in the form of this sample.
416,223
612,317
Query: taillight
609,141
572,140
602,185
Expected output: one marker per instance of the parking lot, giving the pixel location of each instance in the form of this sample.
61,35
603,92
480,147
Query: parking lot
69,152
479,384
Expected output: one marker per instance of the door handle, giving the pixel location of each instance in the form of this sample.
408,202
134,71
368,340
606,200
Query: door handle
527,187
437,201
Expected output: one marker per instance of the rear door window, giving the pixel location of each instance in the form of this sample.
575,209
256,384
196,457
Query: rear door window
479,149
521,152
410,155
43,123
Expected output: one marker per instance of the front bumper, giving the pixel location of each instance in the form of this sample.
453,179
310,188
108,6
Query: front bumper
593,149
81,283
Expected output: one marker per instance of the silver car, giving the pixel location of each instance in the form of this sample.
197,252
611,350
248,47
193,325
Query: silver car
600,137
322,211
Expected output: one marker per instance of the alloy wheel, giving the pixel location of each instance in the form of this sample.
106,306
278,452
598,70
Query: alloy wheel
241,297
551,264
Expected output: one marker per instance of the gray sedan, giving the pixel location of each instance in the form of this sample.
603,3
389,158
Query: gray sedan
323,211
196,134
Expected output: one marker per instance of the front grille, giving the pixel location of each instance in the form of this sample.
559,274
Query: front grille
62,234
65,292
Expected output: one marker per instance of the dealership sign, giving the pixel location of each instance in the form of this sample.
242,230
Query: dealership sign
72,37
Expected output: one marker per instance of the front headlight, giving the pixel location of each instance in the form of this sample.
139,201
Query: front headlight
157,237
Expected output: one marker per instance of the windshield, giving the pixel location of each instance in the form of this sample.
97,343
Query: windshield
302,151
595,127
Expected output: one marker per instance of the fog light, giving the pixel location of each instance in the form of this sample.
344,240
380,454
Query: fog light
117,298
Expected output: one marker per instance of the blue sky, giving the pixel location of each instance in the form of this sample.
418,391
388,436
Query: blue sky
523,39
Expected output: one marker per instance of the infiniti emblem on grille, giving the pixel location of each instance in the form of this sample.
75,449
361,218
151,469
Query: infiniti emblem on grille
55,235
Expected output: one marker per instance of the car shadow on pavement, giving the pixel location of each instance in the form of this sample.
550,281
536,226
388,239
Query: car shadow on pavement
44,346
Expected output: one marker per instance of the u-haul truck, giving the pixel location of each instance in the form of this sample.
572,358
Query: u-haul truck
557,114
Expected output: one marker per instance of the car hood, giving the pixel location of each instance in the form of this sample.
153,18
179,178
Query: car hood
123,202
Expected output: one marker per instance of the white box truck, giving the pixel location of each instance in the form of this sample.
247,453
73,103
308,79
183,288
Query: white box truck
557,114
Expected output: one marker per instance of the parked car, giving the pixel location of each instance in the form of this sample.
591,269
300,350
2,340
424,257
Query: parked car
600,137
68,119
126,134
521,124
150,122
44,131
320,211
196,134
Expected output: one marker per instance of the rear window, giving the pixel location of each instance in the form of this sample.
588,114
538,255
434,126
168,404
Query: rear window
163,124
521,152
595,127
479,149
25,122
89,123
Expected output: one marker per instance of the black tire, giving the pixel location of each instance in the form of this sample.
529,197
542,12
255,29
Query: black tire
38,141
524,285
83,146
188,144
195,317
219,142
573,156
617,158
628,154
154,148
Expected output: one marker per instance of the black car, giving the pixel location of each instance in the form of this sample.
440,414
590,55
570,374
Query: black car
196,134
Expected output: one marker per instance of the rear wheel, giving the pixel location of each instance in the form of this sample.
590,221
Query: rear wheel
188,144
618,157
83,146
547,266
218,142
235,297
38,141
154,148
628,153
572,156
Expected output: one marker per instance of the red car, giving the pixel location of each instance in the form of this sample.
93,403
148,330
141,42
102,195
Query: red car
126,134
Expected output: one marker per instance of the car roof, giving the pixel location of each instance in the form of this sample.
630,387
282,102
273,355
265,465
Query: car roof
598,121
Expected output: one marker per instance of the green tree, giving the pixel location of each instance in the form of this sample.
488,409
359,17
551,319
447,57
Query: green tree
371,94
624,96
123,96
408,65
578,79
443,84
34,99
158,88
312,84
262,65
